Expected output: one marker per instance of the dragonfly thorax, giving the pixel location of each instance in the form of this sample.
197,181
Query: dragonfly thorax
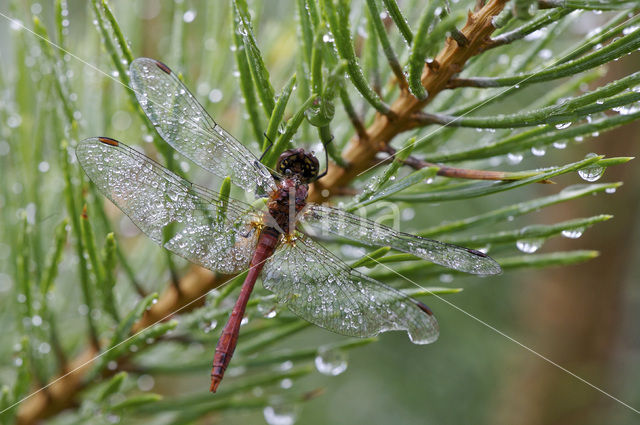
286,202
298,162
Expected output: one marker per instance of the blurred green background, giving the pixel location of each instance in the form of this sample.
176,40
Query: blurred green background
582,317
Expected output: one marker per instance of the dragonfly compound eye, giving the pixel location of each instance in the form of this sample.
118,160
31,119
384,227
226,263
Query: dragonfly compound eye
298,162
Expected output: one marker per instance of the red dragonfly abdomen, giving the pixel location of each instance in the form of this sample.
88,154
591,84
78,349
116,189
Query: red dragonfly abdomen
229,338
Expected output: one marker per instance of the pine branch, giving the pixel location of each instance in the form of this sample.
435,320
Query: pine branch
360,153
184,296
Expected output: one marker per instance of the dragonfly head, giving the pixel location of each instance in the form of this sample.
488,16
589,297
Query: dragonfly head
297,162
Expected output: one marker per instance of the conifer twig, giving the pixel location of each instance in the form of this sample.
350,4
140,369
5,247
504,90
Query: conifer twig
360,153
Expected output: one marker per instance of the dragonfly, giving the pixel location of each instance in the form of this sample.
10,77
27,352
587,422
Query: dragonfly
270,237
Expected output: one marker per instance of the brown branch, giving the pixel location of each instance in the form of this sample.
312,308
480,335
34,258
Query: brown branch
360,153
460,173
63,391
479,5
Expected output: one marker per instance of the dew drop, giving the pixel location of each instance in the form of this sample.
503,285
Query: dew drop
286,383
573,233
331,362
514,158
592,172
560,145
485,249
17,25
538,150
215,96
44,348
610,190
529,246
563,125
545,54
210,326
189,16
327,38
267,308
280,414
14,121
446,278
407,214
286,365
237,371
145,382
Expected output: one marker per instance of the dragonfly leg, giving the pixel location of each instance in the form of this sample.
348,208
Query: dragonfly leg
268,148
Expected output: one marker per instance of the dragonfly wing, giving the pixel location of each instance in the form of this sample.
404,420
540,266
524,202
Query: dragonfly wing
184,124
320,288
342,223
185,218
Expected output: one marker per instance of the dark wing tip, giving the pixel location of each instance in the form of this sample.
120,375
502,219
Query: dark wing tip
163,67
476,252
109,141
424,308
491,268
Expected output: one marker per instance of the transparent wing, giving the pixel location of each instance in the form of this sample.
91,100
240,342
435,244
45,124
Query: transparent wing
320,288
185,218
323,218
184,124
